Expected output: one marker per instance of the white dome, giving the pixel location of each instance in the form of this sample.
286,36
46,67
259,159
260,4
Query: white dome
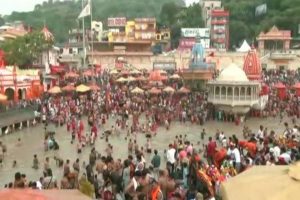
233,73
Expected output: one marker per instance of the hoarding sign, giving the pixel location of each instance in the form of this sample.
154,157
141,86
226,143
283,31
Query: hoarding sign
188,43
193,32
116,22
164,65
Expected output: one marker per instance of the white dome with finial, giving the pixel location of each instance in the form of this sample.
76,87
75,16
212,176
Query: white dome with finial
233,73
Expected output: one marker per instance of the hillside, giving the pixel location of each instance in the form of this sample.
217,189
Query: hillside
60,16
244,24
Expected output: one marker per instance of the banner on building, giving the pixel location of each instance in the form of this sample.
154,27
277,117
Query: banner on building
188,43
261,9
193,32
116,22
164,66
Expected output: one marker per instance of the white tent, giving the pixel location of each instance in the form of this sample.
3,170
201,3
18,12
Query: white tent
244,47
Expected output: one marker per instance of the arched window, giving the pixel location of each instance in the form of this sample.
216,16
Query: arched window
249,91
229,93
243,91
236,93
223,91
217,91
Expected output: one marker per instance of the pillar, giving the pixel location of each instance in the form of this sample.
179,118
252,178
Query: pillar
286,45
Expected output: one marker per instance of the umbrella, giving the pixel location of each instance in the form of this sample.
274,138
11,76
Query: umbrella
141,78
163,72
71,75
169,89
125,72
3,97
154,90
82,88
130,78
137,90
135,71
121,80
113,72
175,76
268,182
94,87
184,90
69,88
279,86
54,90
296,86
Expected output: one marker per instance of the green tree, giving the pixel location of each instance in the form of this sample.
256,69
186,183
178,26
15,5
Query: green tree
23,51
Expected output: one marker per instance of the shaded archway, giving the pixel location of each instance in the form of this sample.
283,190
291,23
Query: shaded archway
217,91
223,91
236,93
20,94
9,92
229,93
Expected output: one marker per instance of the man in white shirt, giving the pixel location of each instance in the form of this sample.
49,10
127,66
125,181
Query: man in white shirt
235,154
171,159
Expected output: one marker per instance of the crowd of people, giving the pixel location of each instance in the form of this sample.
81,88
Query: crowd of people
186,170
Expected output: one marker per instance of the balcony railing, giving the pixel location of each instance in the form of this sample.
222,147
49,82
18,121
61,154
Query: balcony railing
287,55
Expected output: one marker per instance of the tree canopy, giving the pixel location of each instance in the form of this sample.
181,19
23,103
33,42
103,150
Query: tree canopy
244,24
23,51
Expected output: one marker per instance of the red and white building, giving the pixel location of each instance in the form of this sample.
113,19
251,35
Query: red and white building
220,29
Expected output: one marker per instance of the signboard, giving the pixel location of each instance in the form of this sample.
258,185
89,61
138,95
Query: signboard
164,65
116,22
193,32
188,43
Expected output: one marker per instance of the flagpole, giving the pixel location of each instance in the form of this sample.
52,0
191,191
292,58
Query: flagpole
92,34
83,36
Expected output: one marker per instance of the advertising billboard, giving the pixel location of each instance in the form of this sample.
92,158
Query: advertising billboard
116,22
188,43
193,32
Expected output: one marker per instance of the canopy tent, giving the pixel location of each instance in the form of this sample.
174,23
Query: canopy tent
244,47
131,78
28,194
121,80
264,183
154,90
3,97
68,88
114,71
54,90
135,71
168,89
175,76
141,78
82,88
184,90
71,75
296,87
162,72
137,90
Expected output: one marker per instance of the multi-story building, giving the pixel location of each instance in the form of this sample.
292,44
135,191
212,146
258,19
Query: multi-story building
145,29
220,29
207,7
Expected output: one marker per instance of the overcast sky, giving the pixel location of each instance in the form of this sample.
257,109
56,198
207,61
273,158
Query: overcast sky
8,6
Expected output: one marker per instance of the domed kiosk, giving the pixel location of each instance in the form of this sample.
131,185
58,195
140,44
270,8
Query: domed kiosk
232,91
